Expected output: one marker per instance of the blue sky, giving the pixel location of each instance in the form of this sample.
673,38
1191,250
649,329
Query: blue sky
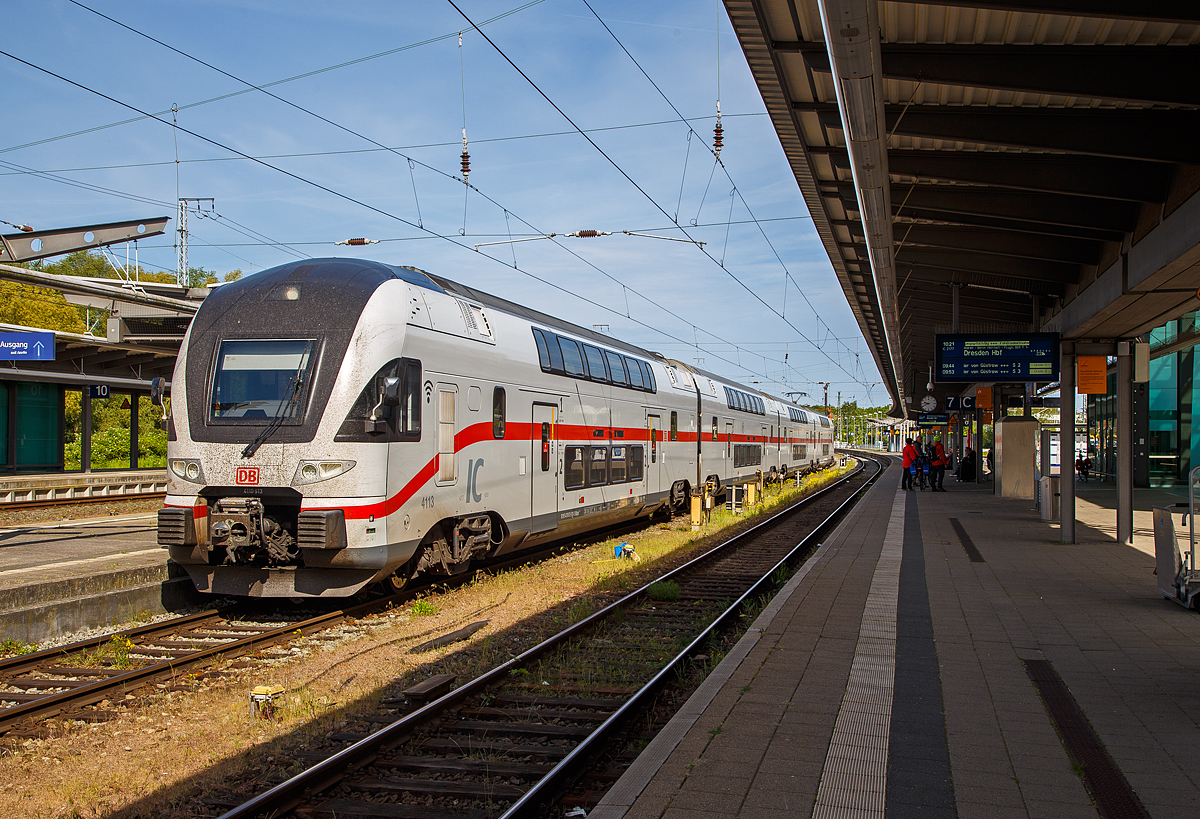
760,288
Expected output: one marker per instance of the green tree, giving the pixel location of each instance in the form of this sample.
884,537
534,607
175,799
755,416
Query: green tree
199,277
232,275
40,307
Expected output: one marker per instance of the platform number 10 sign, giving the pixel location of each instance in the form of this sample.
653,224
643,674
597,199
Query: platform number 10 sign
98,391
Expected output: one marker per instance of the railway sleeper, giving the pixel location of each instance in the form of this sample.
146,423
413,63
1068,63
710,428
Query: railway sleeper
567,702
439,787
528,729
531,713
438,745
477,767
614,690
335,808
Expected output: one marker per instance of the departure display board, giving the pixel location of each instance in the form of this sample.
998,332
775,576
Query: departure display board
997,357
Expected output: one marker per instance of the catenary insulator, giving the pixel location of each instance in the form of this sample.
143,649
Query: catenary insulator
718,138
466,164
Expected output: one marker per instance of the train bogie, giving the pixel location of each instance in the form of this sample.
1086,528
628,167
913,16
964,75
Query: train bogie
336,422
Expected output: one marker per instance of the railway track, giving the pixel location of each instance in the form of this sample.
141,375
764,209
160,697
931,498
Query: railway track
550,728
70,681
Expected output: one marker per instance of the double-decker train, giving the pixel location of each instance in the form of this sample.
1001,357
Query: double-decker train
339,422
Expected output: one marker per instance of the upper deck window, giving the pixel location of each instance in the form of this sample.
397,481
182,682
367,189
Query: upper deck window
566,356
259,380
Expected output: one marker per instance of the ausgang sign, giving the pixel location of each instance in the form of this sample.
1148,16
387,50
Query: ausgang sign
28,346
997,357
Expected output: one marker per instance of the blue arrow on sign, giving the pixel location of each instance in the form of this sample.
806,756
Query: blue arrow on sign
27,346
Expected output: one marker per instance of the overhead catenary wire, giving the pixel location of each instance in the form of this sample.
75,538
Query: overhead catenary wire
261,86
386,149
717,161
335,193
625,288
622,171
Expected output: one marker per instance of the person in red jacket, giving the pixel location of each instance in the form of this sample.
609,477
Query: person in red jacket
908,461
939,461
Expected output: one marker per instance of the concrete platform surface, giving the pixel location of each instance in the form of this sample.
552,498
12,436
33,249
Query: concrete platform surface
894,676
61,578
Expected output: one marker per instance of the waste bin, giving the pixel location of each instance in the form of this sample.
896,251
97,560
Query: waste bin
1049,497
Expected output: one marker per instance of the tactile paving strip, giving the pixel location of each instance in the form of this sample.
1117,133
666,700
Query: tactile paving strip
854,779
1103,779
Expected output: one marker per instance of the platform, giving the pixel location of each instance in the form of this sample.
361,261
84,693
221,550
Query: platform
910,669
63,577
65,487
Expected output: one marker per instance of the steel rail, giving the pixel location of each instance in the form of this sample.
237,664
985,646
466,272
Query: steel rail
288,794
557,779
94,692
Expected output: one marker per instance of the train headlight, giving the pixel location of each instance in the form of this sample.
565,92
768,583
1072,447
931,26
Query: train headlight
188,468
317,471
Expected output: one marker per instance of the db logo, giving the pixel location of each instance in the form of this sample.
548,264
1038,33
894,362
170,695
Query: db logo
247,476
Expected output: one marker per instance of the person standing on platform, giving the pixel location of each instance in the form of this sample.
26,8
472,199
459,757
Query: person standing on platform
938,462
908,460
966,466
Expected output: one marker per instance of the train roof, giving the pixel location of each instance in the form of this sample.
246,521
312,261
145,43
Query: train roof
430,281
497,303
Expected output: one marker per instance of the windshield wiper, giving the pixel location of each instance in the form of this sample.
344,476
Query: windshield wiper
287,403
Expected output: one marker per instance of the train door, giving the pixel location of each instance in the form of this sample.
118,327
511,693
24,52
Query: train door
729,449
654,455
544,471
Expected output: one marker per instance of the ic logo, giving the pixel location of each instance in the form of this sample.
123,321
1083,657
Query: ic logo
247,476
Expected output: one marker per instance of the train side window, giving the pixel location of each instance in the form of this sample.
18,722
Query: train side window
635,373
714,427
403,422
597,465
637,455
447,399
674,425
595,361
617,368
409,425
648,380
545,446
574,471
572,358
539,338
499,404
617,466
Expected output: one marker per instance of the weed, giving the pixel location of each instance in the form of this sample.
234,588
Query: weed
14,648
746,689
714,731
580,609
423,608
665,591
114,654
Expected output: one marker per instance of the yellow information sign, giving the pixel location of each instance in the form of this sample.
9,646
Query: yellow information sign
983,397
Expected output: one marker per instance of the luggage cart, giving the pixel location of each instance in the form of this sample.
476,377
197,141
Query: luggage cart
1178,577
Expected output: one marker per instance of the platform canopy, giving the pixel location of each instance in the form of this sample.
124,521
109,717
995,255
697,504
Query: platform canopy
990,166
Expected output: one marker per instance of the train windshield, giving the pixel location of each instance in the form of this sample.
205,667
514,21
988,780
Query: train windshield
261,380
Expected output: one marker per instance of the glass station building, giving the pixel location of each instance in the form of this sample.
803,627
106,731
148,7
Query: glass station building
1163,432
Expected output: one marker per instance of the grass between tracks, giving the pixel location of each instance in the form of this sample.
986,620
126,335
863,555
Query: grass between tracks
170,749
